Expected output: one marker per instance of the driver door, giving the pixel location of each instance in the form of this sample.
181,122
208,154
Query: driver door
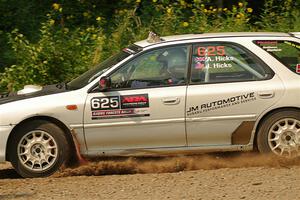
145,106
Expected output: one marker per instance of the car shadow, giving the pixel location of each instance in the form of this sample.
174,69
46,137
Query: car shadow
9,174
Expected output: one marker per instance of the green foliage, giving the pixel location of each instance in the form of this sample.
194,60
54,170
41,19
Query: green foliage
284,17
59,54
76,35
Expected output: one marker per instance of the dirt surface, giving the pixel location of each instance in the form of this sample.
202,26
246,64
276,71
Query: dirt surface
229,176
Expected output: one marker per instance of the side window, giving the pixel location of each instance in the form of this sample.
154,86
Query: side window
162,67
224,62
287,52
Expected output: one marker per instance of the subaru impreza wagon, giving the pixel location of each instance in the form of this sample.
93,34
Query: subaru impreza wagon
182,94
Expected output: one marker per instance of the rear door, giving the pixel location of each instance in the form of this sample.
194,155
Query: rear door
229,88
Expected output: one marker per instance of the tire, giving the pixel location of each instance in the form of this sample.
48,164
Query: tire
279,134
38,149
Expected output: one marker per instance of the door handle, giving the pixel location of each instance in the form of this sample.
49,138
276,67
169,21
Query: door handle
266,94
171,101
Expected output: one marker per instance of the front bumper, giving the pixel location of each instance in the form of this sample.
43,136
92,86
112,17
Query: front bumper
4,133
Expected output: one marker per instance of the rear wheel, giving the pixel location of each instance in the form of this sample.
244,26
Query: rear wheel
38,149
280,134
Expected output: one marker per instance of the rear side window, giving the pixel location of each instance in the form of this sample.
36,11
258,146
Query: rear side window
287,52
225,62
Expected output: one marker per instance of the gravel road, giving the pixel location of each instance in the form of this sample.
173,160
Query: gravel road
202,177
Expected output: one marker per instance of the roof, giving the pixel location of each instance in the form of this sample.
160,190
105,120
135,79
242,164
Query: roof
144,43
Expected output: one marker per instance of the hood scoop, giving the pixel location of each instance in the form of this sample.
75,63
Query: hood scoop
29,89
4,95
32,91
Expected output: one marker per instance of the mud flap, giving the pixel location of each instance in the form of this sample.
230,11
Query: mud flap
80,158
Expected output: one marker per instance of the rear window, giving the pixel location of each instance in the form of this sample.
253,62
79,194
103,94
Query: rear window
287,52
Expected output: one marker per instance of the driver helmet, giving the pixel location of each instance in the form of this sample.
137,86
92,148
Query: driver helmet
174,62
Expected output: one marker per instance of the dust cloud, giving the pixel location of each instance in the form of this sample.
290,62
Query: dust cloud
118,166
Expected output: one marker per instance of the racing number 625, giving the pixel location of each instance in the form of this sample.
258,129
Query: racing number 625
211,51
105,103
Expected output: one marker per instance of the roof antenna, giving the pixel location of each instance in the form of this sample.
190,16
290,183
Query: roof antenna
153,38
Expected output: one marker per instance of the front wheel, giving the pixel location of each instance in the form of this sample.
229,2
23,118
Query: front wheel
280,134
38,149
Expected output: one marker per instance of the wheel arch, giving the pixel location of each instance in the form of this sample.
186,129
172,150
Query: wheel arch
265,116
53,120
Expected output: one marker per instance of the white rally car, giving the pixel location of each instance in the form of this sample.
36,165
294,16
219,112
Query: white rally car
180,94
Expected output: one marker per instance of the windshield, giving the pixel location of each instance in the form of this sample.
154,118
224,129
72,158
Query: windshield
96,71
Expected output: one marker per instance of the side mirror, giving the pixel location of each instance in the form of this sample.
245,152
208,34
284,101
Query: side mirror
104,83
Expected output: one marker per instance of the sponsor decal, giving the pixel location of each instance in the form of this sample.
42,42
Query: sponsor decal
135,101
222,103
298,68
269,45
271,48
120,106
268,42
292,44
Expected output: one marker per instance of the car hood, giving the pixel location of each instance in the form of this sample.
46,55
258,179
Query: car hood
32,91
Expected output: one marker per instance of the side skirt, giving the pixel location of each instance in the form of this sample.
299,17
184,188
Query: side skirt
169,151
